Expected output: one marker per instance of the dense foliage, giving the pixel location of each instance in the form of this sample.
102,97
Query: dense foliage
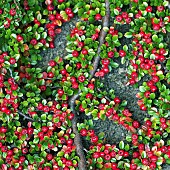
36,118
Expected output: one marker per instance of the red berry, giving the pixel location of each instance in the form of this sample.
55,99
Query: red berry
98,17
33,41
51,45
51,32
134,136
94,139
50,74
43,41
122,53
63,72
81,109
133,166
152,166
148,123
75,85
52,63
107,157
162,51
147,94
12,60
49,157
83,132
117,100
134,75
160,8
126,154
145,161
24,150
75,53
124,14
84,51
153,88
12,12
164,125
50,7
51,17
136,124
81,78
119,18
110,54
60,92
1,11
132,81
136,154
156,27
91,86
3,129
96,154
105,69
19,38
69,142
161,58
68,10
78,66
149,9
105,61
80,44
61,1
44,129
162,120
155,79
73,79
89,95
121,152
143,107
95,36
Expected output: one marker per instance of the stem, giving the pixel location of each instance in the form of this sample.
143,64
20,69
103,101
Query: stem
16,4
25,116
101,39
107,98
77,139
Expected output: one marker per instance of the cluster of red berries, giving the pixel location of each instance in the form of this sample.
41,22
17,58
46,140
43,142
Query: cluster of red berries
123,17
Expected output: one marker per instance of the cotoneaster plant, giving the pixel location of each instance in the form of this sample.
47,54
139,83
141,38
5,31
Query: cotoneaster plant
39,107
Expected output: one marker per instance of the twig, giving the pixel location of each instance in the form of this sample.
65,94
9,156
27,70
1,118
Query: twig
25,116
101,39
107,98
16,4
77,139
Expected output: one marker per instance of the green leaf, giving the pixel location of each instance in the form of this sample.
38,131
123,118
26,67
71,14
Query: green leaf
154,38
100,160
84,104
116,12
127,147
123,103
70,92
152,95
165,3
121,145
115,38
114,64
142,89
123,60
25,103
125,47
143,154
128,35
36,140
31,2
